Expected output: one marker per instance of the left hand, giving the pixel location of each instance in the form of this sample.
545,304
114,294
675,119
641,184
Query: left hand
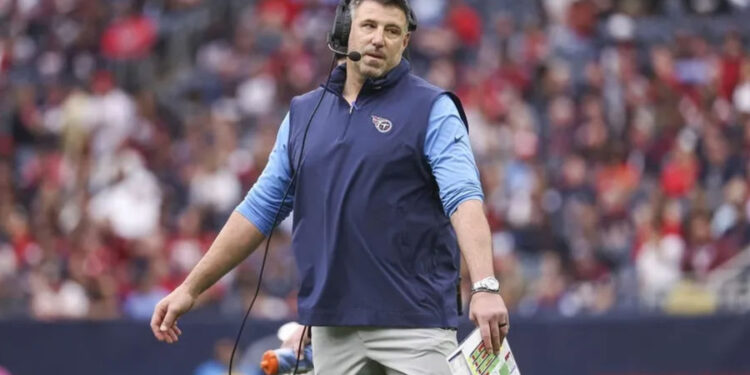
488,312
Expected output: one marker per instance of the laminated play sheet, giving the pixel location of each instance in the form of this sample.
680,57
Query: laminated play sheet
472,357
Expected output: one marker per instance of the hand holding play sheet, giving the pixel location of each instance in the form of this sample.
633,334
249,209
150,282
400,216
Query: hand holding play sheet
473,358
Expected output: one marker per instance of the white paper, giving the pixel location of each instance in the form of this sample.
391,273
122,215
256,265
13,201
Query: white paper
473,358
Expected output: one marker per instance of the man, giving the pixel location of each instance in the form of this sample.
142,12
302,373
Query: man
387,193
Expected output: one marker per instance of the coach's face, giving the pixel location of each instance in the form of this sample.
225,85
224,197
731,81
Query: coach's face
380,34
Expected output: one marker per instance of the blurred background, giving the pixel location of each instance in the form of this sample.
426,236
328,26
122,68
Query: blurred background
612,136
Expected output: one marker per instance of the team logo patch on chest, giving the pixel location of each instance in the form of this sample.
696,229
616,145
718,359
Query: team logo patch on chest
383,125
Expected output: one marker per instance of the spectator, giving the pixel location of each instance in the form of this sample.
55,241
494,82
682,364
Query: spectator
147,293
53,296
219,365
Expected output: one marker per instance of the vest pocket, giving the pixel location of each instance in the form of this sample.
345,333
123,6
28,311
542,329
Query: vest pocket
417,244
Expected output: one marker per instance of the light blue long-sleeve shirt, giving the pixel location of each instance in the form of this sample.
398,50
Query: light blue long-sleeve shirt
446,148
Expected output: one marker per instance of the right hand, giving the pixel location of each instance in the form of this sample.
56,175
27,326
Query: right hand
292,342
166,313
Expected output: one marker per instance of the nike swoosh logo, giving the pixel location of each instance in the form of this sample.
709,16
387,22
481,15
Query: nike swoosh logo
457,138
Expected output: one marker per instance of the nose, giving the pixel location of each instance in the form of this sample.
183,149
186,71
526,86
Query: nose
378,38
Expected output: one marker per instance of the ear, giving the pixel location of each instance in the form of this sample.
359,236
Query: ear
407,38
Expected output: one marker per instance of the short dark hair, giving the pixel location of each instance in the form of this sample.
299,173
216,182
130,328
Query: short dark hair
401,4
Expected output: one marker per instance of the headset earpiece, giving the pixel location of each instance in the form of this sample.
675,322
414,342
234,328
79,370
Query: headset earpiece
342,23
411,18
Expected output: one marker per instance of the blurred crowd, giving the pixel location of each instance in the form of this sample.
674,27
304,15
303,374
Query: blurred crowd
615,167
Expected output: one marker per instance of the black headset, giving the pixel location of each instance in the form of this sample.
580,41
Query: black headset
338,39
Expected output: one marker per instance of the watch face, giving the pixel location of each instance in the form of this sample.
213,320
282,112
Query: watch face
492,284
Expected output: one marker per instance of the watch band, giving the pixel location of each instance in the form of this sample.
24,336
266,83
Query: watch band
484,290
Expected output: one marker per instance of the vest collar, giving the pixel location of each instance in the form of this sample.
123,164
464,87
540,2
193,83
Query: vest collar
338,78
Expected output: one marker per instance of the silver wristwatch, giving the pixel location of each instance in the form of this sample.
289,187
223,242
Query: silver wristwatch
488,284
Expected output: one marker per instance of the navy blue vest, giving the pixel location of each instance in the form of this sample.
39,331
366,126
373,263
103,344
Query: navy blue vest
372,243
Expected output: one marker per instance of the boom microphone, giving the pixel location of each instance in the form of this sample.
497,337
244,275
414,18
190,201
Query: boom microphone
354,55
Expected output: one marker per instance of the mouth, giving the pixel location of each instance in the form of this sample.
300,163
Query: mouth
375,55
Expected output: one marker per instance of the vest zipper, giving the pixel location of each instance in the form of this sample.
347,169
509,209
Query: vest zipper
348,119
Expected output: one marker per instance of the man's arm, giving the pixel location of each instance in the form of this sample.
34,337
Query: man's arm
236,240
448,151
474,239
245,229
487,309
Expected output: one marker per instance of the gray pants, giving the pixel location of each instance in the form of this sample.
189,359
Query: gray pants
381,351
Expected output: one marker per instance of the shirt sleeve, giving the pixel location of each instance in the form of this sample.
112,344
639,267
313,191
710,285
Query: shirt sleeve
449,154
264,198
